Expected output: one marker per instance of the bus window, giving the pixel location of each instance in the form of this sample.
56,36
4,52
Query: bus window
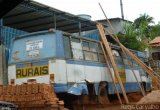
130,62
100,49
85,45
90,50
117,57
118,60
115,53
101,56
75,40
87,55
95,56
67,47
93,46
86,49
77,49
134,63
125,61
90,56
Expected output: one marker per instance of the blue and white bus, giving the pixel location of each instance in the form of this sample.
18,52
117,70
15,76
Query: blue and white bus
70,63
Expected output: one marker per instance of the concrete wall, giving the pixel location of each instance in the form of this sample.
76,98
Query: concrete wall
117,24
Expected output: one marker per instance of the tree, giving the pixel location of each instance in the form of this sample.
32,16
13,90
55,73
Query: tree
155,31
142,25
138,33
130,39
144,20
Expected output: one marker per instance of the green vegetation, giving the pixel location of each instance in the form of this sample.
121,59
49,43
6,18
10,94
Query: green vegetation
140,32
155,31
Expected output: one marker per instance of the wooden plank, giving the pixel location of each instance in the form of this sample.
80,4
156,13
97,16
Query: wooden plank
107,47
141,87
149,71
111,75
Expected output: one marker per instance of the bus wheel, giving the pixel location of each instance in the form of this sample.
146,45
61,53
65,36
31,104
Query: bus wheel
103,94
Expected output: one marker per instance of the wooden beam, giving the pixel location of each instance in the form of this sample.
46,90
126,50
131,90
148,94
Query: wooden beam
149,71
129,62
140,86
110,72
108,49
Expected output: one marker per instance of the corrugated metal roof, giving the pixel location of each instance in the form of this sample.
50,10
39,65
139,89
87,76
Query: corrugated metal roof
32,16
7,5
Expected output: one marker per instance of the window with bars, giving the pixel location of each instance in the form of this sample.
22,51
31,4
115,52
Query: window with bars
67,47
81,49
92,51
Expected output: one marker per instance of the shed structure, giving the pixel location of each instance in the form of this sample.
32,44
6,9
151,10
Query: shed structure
30,16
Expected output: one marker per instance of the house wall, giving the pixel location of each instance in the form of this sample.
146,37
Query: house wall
117,25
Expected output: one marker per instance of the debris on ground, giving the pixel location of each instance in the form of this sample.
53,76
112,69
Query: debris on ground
151,98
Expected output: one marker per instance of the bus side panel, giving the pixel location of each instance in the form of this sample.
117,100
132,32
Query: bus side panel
21,73
75,73
35,47
12,76
105,74
58,68
90,71
130,75
130,85
93,73
11,73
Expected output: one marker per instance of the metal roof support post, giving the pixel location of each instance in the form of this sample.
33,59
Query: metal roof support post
3,56
55,22
1,29
79,26
122,12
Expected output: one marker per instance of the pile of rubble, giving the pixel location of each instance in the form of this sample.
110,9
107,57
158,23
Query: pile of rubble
151,98
31,96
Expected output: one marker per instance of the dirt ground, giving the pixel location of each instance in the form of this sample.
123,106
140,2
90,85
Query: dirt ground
101,107
114,103
151,101
151,98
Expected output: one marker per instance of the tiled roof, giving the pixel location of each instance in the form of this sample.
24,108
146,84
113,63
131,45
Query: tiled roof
155,40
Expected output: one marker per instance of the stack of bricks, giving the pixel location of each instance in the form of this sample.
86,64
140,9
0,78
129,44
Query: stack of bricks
31,96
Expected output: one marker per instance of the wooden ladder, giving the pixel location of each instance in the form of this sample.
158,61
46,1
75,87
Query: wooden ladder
111,59
155,77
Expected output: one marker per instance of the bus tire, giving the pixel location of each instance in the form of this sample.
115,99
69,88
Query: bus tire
103,93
